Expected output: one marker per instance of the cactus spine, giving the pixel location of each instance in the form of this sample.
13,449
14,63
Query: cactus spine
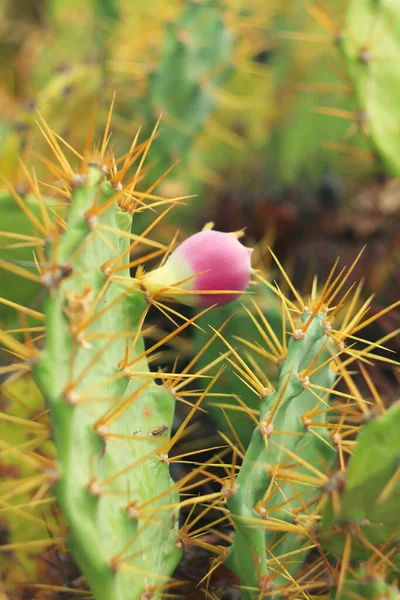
288,475
110,421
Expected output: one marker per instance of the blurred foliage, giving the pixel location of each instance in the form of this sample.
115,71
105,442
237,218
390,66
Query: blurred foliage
236,84
22,399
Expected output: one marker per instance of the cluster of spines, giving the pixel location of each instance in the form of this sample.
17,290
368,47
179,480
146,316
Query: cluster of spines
288,473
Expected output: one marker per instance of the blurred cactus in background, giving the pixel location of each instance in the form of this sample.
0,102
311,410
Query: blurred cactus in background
371,46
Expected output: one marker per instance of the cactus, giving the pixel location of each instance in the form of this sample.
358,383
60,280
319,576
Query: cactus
332,93
95,396
371,47
108,440
369,586
101,496
110,421
203,78
344,93
286,474
181,88
312,130
366,514
253,503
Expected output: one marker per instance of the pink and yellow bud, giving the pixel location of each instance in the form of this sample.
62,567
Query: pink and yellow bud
208,268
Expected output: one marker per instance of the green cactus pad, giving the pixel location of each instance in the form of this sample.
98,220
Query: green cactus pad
366,586
196,56
312,133
109,426
290,442
371,499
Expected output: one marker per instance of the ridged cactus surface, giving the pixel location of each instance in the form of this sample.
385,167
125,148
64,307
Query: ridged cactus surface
285,436
367,514
108,416
292,500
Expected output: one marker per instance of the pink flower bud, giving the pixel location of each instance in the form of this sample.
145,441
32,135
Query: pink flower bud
208,261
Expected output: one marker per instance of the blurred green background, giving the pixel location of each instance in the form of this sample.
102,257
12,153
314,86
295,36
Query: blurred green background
266,118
